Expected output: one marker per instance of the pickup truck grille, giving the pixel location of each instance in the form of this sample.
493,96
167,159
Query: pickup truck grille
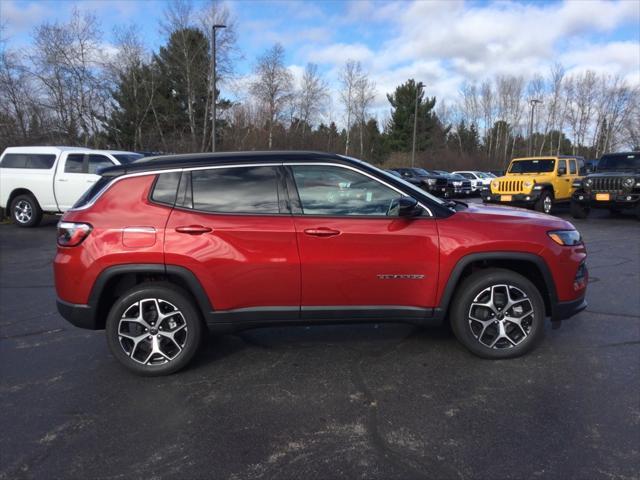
466,184
441,182
510,185
607,184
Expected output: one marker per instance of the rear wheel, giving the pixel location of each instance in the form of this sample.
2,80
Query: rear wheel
544,203
498,314
25,211
154,329
578,210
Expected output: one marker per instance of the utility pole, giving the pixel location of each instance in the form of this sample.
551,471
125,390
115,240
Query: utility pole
415,125
213,86
533,103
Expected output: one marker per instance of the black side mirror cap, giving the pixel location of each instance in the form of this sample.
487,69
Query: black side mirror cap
404,207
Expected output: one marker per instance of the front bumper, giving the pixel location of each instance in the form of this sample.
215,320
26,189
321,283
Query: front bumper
516,198
616,199
564,310
82,316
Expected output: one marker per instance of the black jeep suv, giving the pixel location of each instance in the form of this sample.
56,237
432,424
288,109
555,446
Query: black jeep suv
431,182
615,185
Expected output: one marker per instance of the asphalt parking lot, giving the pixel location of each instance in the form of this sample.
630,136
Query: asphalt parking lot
374,401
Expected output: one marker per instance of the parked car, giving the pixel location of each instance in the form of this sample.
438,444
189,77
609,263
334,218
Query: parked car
429,181
461,186
479,180
538,182
158,251
615,185
37,180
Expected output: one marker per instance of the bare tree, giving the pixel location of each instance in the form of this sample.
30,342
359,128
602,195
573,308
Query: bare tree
273,86
349,77
312,97
365,93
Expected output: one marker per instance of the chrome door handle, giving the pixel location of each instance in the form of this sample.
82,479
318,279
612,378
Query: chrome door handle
322,232
63,180
193,229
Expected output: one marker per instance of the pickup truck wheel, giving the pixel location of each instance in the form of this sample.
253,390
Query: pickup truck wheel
498,314
544,203
25,211
578,210
154,329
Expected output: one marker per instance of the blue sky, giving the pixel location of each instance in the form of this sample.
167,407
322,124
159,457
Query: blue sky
442,43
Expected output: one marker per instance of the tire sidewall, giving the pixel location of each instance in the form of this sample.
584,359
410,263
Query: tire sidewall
540,203
471,288
171,294
36,212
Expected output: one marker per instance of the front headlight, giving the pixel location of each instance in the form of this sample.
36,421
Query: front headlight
431,181
628,182
495,184
565,237
527,184
588,183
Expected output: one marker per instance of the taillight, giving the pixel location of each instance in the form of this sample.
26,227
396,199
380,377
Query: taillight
71,234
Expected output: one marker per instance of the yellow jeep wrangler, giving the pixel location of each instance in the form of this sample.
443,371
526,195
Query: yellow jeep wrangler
538,182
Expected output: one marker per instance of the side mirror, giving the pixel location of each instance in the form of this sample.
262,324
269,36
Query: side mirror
404,207
562,171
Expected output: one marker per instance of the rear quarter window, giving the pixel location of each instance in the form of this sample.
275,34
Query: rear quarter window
36,161
165,188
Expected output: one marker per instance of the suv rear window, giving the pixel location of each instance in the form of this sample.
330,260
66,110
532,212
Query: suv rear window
38,161
90,194
250,190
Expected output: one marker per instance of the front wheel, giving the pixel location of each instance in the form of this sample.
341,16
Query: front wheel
498,314
544,203
154,329
578,210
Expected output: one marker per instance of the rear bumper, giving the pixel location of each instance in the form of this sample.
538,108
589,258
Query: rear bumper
82,316
564,310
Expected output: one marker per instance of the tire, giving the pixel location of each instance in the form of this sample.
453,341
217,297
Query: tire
545,203
25,211
492,337
578,210
175,338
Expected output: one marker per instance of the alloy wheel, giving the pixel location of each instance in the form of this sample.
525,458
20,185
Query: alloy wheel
152,331
23,211
501,316
547,204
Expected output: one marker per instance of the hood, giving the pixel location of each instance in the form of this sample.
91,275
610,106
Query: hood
514,216
615,173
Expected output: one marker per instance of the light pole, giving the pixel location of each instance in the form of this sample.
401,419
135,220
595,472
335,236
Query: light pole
213,87
533,102
415,125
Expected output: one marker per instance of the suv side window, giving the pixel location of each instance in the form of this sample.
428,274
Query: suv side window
98,161
74,163
336,191
572,167
249,190
28,160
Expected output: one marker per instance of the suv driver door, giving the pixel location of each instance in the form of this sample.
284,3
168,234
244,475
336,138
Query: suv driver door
354,256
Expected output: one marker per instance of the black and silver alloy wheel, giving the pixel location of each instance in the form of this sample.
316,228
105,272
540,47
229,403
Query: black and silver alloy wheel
154,329
500,316
497,313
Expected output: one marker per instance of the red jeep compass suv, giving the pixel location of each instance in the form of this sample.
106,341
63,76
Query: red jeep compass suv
158,250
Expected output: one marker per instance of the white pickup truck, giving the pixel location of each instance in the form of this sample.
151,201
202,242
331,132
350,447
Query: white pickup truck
37,180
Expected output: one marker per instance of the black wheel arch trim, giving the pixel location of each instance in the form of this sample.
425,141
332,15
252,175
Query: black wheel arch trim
187,276
456,273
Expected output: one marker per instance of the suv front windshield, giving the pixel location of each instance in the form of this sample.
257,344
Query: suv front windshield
532,166
624,161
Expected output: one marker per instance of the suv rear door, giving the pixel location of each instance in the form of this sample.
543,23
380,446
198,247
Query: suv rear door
232,228
354,257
